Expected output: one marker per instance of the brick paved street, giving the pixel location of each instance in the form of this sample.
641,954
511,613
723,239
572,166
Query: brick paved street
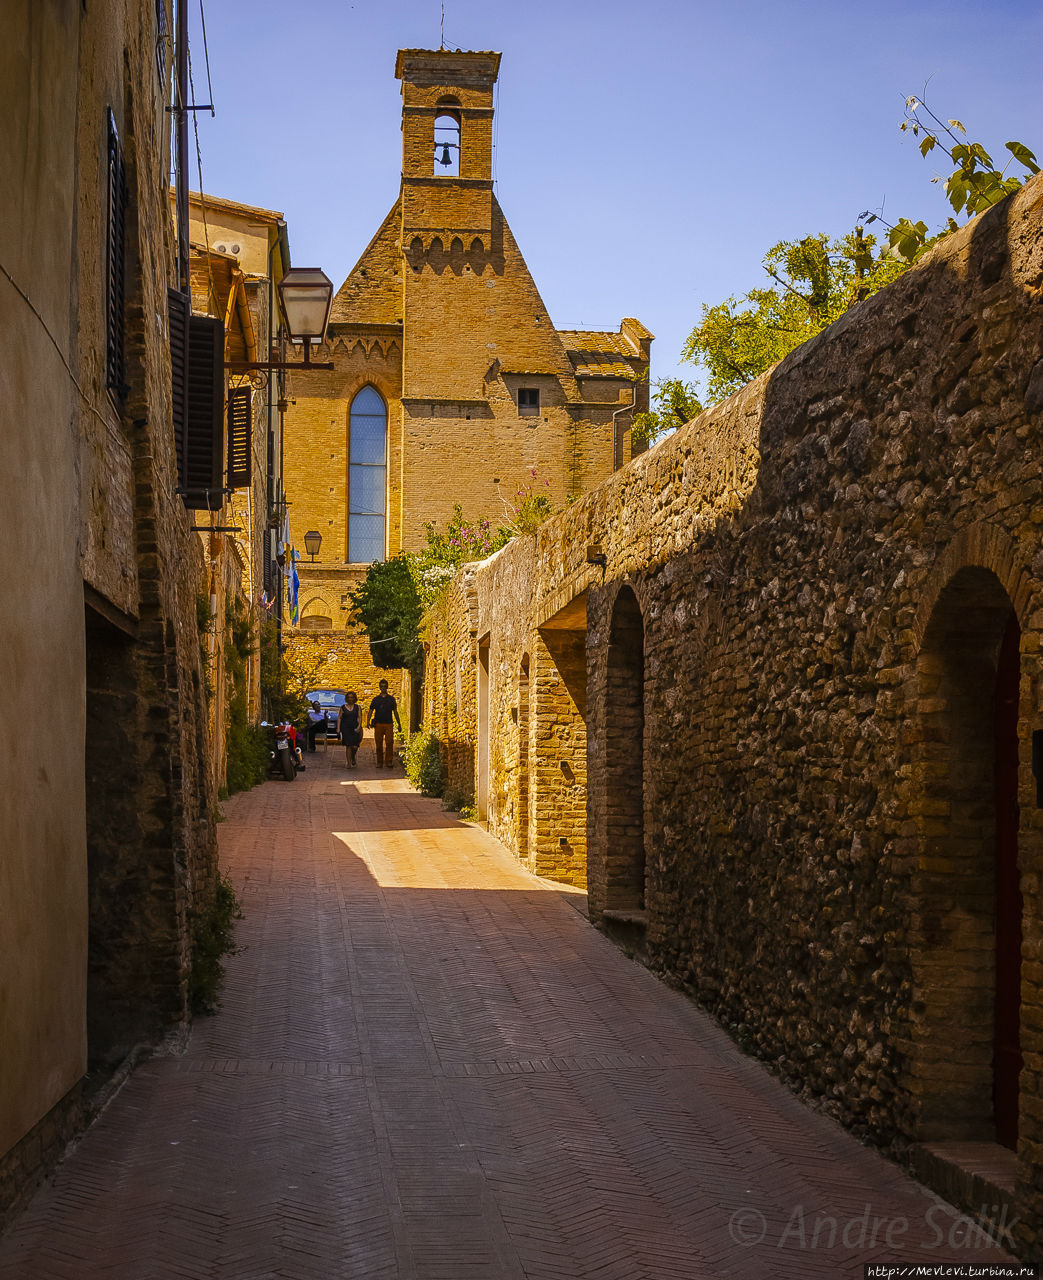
429,1065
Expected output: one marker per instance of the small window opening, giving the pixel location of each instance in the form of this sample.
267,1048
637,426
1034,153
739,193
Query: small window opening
528,402
447,146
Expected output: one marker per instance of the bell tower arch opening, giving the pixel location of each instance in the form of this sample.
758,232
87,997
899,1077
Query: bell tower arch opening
447,138
966,943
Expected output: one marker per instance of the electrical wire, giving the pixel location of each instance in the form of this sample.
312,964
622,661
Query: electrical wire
54,343
199,169
206,58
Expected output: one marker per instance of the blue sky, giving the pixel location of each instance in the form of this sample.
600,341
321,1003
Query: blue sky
647,154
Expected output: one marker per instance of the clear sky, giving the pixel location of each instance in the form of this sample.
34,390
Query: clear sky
647,153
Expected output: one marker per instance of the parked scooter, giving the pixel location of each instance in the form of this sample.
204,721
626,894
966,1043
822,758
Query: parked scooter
284,758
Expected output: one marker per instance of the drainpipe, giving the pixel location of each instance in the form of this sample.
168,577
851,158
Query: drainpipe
617,441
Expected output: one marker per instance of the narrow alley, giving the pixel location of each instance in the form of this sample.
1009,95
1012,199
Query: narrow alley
428,1064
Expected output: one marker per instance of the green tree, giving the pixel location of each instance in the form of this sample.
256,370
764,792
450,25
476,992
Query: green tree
387,605
973,185
674,402
815,280
389,601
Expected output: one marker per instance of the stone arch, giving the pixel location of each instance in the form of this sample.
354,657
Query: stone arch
965,937
982,546
625,871
316,615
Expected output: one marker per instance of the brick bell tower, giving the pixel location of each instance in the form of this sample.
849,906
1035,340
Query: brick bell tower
447,131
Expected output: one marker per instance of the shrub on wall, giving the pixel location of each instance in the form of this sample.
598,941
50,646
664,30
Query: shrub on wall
213,937
424,764
245,744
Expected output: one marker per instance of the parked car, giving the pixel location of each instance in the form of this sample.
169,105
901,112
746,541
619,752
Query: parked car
331,701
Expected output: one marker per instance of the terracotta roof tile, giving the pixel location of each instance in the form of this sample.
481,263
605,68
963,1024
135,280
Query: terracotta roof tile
598,353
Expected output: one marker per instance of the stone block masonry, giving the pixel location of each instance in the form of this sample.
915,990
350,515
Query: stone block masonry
811,706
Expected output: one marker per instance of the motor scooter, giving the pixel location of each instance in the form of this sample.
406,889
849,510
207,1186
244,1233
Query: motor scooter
283,762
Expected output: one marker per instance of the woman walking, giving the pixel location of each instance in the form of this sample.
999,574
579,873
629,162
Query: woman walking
349,727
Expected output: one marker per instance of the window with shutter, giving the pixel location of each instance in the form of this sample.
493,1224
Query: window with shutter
178,311
115,249
240,430
204,452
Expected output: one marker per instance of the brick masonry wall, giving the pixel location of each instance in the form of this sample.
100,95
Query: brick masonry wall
808,561
442,317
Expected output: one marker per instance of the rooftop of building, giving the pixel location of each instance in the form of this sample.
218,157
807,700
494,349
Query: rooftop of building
446,55
601,353
235,207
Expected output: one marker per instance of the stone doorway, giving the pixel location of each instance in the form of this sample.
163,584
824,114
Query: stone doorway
118,1014
966,941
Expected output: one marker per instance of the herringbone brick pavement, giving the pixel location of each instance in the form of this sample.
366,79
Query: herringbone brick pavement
428,1065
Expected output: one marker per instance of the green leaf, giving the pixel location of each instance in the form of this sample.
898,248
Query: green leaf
928,144
1023,155
956,125
956,190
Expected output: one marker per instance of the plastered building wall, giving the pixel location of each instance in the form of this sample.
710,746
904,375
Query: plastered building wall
811,622
106,826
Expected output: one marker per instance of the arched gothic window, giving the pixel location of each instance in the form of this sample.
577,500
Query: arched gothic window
367,477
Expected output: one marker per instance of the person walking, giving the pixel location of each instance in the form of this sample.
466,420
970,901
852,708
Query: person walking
316,717
349,727
381,710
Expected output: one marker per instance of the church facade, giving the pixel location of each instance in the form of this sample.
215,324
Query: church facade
450,382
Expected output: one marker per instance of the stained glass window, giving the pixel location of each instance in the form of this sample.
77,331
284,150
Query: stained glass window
367,477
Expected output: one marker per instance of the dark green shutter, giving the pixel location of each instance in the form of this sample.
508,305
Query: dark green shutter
115,267
178,312
204,455
240,431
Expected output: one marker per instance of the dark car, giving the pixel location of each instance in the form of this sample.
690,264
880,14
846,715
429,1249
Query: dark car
331,701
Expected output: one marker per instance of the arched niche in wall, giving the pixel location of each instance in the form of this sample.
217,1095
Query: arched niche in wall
624,757
966,934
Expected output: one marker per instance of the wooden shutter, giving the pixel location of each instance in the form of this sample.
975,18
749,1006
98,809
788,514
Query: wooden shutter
115,250
240,432
205,419
178,311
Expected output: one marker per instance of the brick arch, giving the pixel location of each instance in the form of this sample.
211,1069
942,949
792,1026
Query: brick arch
318,608
982,546
965,923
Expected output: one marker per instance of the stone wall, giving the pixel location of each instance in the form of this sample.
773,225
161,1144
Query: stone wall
106,829
801,614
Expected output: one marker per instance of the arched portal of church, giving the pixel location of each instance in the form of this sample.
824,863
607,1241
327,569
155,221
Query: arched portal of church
624,757
968,908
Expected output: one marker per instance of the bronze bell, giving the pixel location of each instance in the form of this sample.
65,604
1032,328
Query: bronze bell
444,157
